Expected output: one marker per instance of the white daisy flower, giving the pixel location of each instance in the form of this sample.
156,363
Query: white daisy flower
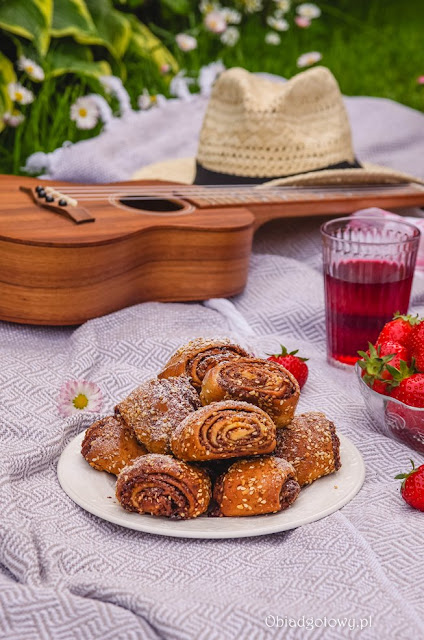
159,100
252,6
307,59
231,15
302,22
230,36
144,100
215,22
79,395
31,68
85,113
308,10
186,42
283,5
272,38
13,118
19,94
206,6
279,24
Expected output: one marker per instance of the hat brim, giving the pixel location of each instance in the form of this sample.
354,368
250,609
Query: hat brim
183,170
176,170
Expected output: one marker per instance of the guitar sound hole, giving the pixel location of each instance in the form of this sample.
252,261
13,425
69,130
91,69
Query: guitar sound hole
157,205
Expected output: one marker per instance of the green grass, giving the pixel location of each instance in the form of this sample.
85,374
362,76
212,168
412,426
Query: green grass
373,47
47,126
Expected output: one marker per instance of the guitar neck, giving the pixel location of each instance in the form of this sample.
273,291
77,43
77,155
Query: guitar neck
216,196
398,195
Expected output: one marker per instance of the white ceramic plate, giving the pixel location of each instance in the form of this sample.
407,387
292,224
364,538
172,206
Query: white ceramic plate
94,491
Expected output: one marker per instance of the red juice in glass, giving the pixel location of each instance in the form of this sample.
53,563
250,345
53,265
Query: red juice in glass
359,301
368,269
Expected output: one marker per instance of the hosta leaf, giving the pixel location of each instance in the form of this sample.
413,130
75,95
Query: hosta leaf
72,18
7,75
112,27
68,57
29,19
145,44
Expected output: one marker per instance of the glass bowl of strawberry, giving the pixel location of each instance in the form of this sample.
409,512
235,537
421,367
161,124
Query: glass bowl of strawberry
391,380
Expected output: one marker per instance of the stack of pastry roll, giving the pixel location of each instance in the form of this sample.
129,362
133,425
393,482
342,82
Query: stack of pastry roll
214,431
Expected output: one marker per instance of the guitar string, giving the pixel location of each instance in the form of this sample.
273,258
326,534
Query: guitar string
222,199
218,193
237,187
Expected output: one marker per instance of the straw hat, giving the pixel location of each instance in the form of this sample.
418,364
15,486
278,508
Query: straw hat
257,131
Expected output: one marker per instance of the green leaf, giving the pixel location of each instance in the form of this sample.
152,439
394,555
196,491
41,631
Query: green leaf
177,6
404,371
413,320
132,4
72,18
143,44
7,75
113,28
30,19
68,57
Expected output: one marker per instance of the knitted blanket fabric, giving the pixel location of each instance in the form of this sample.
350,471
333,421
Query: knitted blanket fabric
66,574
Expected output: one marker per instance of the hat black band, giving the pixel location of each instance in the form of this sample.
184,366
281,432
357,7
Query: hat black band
205,176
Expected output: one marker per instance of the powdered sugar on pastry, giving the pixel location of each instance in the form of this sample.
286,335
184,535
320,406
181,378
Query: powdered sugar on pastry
156,408
109,445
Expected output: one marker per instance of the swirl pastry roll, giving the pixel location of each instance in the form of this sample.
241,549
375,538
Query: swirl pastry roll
311,444
261,382
198,356
162,486
109,445
255,486
155,408
224,430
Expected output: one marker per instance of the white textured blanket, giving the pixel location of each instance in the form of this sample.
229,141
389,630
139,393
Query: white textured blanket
65,574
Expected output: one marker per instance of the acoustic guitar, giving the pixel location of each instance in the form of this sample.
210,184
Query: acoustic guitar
71,252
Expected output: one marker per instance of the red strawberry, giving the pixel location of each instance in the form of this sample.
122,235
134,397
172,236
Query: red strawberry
416,345
412,489
374,368
398,353
398,330
293,363
394,348
410,389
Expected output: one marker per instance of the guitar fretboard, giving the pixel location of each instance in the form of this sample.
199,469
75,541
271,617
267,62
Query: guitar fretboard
220,196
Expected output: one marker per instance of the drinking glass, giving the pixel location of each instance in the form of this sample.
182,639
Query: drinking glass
368,268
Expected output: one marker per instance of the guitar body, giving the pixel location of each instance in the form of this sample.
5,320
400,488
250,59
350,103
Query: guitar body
112,246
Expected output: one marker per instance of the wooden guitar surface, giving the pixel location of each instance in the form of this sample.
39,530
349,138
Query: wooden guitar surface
80,251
